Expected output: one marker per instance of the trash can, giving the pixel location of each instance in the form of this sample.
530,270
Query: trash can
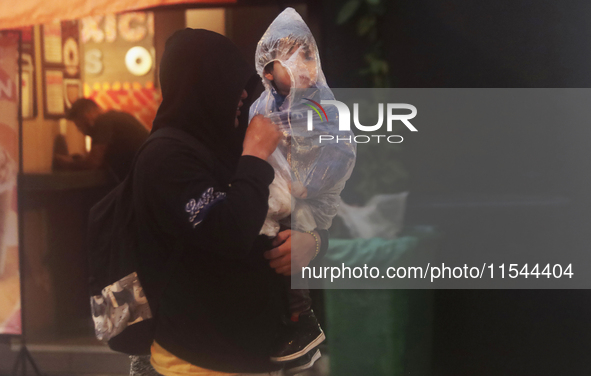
380,332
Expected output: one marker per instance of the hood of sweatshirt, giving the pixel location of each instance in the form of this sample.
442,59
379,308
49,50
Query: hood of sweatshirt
202,75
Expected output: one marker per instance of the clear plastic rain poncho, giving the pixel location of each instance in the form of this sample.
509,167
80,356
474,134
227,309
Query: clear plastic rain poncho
309,174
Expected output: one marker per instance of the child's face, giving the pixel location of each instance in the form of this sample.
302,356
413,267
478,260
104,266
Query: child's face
280,76
302,64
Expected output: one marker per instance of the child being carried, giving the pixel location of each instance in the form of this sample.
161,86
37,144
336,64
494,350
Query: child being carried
309,175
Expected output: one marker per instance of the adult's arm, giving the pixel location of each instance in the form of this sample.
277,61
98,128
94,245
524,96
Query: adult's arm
93,161
186,199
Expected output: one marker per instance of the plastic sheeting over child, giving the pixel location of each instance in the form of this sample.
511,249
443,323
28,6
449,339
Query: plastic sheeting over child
309,175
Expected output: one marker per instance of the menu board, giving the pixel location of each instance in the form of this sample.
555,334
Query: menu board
28,86
10,313
52,42
62,84
54,92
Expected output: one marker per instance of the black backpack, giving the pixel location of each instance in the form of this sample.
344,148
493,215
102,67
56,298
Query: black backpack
122,316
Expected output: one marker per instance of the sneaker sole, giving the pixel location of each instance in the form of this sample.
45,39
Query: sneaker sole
303,367
302,352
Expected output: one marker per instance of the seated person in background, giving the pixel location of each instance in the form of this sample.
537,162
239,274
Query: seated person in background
116,137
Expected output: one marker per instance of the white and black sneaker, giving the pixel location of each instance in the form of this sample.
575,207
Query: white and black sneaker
302,363
299,338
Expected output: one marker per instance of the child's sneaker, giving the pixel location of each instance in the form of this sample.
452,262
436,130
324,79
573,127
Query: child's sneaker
302,363
301,337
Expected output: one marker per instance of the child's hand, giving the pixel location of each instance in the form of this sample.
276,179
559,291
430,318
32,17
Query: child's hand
262,137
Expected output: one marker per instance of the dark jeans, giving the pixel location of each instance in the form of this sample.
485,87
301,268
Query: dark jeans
299,299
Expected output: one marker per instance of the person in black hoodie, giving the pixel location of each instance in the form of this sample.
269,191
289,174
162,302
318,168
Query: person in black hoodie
207,200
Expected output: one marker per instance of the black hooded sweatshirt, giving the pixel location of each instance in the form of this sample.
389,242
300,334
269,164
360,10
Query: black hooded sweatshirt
222,307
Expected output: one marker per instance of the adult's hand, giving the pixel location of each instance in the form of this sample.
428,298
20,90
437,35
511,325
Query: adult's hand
262,137
281,256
